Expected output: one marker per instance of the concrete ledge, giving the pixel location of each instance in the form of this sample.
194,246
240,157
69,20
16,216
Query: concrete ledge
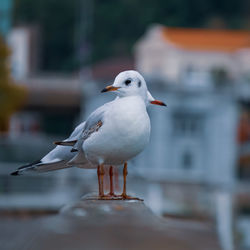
98,224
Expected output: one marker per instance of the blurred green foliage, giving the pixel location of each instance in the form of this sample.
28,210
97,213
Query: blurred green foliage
113,26
56,21
11,95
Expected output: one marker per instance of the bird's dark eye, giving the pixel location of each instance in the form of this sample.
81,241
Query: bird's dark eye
127,82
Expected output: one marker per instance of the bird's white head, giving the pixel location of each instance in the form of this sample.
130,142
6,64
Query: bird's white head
129,83
132,83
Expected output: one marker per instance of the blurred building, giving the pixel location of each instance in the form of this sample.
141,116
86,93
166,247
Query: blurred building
192,158
54,99
172,53
198,159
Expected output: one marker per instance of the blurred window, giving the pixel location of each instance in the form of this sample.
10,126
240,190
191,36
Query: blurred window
185,124
187,160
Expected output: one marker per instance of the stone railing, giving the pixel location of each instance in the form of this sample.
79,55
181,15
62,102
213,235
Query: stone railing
110,224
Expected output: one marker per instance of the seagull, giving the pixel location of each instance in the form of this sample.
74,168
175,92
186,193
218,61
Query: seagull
118,130
113,134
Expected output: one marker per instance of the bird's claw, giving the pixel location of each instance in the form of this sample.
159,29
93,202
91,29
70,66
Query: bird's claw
118,197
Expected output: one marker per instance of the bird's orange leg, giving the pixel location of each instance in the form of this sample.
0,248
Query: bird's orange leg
124,192
99,179
111,195
111,192
125,173
100,174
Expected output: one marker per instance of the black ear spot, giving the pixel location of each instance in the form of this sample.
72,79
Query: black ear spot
139,84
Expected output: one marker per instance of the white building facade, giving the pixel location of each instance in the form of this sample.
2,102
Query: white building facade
171,52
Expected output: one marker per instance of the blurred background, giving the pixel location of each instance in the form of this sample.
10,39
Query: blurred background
56,56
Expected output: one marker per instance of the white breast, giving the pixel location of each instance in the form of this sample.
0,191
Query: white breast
124,134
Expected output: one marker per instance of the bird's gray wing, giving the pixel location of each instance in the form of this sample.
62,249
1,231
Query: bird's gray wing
85,129
94,122
80,134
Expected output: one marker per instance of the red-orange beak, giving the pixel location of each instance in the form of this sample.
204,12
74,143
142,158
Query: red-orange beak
109,88
156,102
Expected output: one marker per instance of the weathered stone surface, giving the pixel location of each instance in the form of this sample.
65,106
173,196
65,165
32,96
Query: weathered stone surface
111,224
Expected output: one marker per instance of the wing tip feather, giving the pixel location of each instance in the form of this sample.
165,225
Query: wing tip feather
15,173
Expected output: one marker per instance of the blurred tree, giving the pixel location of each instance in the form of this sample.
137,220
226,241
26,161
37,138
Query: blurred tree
119,24
11,95
116,24
56,21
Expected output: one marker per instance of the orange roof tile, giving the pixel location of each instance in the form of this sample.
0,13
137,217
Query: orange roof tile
208,39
